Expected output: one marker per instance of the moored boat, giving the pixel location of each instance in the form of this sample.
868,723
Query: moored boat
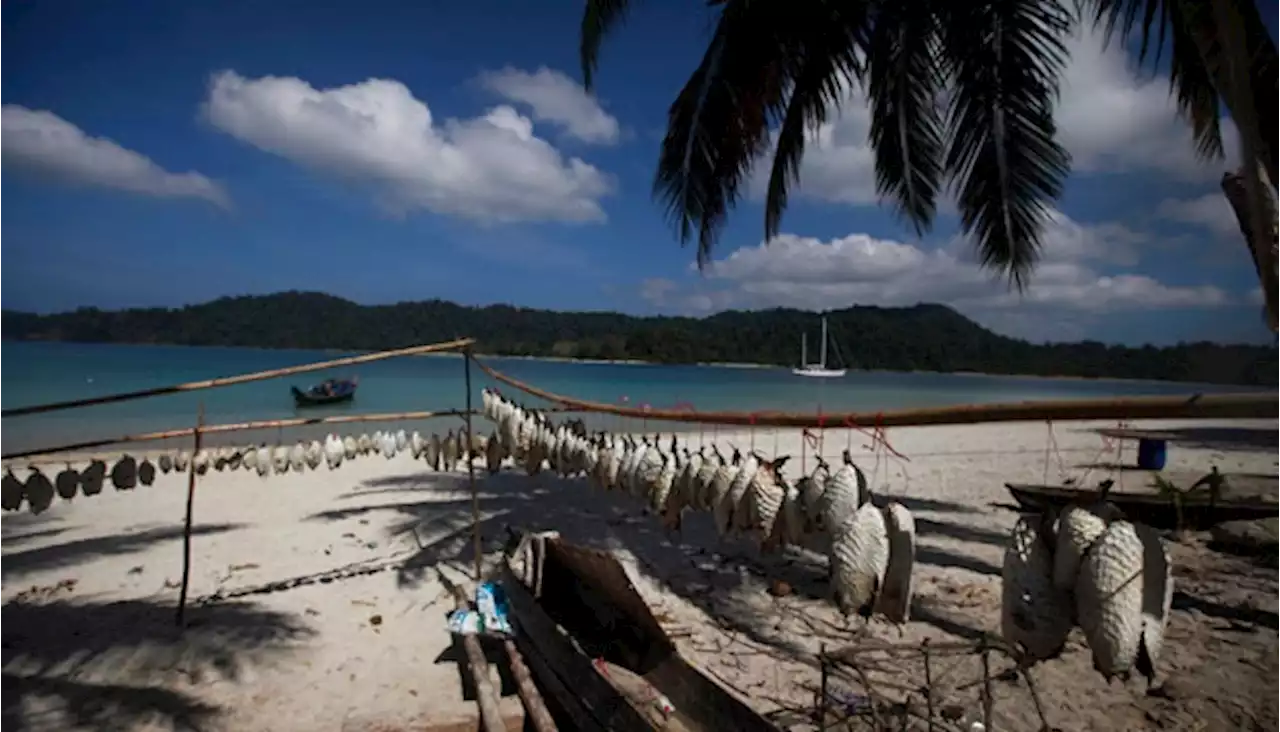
331,391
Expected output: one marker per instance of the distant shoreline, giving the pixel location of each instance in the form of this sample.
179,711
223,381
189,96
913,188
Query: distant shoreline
641,362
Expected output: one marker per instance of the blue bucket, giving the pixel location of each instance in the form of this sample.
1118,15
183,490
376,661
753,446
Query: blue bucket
1151,454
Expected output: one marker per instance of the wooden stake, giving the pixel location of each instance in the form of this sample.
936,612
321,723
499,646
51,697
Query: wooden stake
471,474
928,683
180,617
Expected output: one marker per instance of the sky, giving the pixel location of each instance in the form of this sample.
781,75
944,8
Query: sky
160,153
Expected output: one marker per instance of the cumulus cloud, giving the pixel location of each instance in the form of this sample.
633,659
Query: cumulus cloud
558,99
43,143
1212,211
811,274
1112,118
491,168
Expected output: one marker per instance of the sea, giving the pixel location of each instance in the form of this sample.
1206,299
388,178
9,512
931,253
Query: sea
40,372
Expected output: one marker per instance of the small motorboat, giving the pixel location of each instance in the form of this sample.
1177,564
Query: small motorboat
331,391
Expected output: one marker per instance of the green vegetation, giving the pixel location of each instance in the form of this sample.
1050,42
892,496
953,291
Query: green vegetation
924,337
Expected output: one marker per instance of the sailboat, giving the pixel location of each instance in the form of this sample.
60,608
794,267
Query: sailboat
819,369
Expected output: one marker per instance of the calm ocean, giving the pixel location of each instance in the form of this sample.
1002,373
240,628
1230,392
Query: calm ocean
33,373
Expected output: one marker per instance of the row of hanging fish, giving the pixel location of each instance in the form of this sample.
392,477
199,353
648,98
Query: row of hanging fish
37,491
871,549
1091,567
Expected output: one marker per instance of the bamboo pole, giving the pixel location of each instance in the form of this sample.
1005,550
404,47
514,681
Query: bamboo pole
180,617
1197,406
471,472
239,379
534,705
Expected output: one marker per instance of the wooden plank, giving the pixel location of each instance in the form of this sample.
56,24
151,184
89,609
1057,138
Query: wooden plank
603,703
1136,434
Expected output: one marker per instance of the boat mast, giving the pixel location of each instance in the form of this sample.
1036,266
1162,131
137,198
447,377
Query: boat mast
823,362
804,349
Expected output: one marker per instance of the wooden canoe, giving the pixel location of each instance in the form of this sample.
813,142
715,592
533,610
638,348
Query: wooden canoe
1242,496
595,647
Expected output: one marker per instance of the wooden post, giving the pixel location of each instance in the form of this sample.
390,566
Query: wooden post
529,694
471,474
180,617
928,683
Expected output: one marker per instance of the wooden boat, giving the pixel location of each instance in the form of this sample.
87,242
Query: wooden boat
1239,496
333,391
596,648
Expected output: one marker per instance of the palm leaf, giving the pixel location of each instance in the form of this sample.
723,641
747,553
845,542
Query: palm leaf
903,83
1004,58
719,124
599,18
828,64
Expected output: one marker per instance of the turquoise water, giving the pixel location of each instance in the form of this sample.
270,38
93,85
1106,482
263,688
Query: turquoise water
34,373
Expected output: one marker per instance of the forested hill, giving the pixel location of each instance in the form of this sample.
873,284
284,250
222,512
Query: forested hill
924,337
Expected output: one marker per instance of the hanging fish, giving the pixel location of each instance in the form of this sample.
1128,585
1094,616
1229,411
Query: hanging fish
201,462
612,466
1123,595
235,457
417,445
146,474
219,460
789,523
364,445
811,489
251,458
533,458
93,477
734,502
350,448
434,448
280,459
479,446
493,456
166,462
1035,615
718,493
315,454
894,601
1078,528
334,451
181,460
859,557
38,491
846,490
766,490
700,490
647,470
402,441
124,476
448,451
11,491
265,461
67,484
662,486
463,447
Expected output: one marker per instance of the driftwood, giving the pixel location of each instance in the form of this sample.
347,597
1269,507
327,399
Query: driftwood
239,379
1236,406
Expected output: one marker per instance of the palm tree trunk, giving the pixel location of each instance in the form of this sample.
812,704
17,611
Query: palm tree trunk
1237,94
1233,185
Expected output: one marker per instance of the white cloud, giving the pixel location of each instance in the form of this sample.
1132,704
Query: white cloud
555,98
1211,211
44,143
1112,117
491,168
807,273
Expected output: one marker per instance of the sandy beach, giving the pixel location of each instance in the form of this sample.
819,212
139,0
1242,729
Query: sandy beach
276,642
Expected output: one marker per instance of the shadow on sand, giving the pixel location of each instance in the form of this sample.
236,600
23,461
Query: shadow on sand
56,651
727,579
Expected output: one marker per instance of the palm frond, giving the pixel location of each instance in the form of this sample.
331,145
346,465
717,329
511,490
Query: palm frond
828,63
598,19
1004,58
903,83
1161,25
719,124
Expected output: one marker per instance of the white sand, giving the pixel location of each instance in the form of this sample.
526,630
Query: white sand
89,588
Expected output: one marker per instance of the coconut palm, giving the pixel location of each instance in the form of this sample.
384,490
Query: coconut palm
961,94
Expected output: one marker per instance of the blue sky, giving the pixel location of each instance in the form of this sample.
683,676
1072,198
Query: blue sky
161,153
